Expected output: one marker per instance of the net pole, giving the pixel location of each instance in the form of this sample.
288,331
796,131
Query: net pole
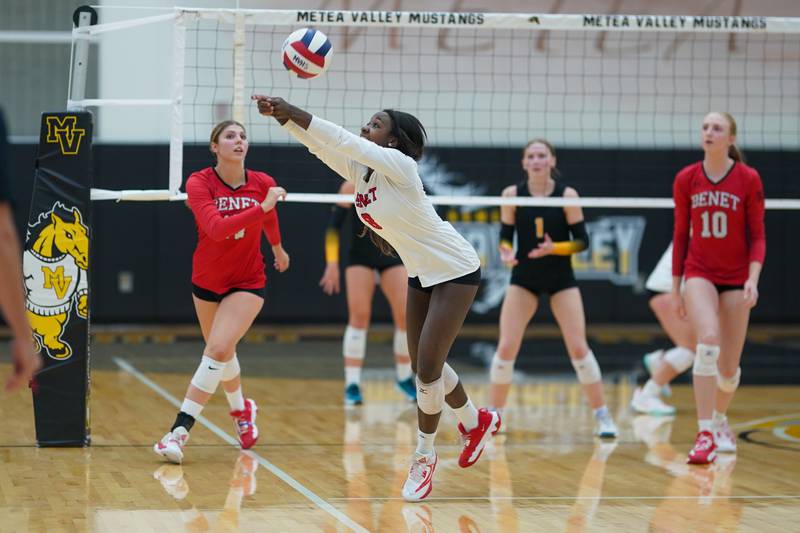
238,67
176,130
80,60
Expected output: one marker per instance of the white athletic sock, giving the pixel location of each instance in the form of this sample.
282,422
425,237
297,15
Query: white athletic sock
235,399
191,408
719,418
600,412
403,371
467,415
651,388
352,374
705,425
425,442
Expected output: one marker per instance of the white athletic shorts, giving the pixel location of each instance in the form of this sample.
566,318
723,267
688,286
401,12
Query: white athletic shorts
660,279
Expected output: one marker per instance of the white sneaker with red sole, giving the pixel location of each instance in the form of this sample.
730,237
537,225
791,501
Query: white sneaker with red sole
171,445
420,477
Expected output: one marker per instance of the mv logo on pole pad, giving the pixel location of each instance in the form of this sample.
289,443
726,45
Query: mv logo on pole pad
64,131
56,263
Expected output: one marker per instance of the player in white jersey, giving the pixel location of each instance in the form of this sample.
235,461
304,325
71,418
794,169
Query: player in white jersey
664,365
443,268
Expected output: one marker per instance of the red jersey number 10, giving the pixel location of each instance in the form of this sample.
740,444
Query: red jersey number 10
714,224
371,221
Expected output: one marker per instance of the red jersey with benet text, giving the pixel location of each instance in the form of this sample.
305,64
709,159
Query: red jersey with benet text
726,219
229,225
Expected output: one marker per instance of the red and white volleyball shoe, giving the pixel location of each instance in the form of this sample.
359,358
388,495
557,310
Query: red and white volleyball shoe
171,445
420,477
475,439
245,422
704,451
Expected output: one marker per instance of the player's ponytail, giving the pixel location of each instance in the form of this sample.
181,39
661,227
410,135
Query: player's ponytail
735,154
733,151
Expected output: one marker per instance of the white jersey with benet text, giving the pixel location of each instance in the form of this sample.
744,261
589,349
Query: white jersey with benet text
392,202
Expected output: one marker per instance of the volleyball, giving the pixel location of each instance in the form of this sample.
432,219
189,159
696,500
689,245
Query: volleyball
306,53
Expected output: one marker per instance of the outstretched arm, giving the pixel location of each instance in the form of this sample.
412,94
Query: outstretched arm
388,161
337,162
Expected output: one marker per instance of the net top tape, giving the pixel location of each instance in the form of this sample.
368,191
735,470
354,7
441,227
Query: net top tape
437,19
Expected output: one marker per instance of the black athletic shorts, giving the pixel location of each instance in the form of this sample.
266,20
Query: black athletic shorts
550,284
211,296
370,260
473,278
725,288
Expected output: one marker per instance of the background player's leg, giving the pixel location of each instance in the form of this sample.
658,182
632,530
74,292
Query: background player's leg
519,306
679,331
734,317
567,307
360,288
702,307
394,284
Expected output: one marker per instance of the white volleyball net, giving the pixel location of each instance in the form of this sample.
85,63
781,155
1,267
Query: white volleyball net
474,79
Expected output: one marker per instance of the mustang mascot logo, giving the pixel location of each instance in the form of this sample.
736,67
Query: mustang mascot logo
55,262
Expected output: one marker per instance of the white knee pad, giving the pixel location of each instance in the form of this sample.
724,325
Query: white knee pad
502,371
705,360
450,379
730,384
232,369
208,374
400,342
430,396
587,369
679,358
355,343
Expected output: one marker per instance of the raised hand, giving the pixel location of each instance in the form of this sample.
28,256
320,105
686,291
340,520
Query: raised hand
544,248
273,106
273,194
507,256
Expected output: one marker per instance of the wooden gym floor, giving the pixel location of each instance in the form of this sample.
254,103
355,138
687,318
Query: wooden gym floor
320,467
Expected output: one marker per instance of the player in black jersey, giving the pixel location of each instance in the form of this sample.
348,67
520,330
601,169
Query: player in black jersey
546,239
364,260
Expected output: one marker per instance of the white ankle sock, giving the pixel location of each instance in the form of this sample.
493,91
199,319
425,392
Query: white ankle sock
600,411
705,425
403,371
719,418
651,388
467,415
352,374
425,442
235,399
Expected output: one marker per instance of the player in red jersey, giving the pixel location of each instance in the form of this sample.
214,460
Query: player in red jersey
232,206
722,201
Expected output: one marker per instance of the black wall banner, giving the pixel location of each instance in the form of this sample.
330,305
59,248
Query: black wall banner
142,270
56,271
